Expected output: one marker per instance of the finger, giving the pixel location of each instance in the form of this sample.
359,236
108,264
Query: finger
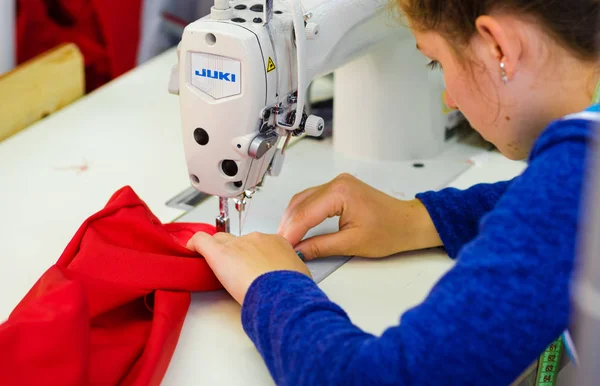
334,244
204,244
310,213
191,244
294,202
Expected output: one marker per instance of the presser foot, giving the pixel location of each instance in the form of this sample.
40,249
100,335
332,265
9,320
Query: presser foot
222,222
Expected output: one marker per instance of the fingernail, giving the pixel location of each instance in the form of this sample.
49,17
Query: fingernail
301,255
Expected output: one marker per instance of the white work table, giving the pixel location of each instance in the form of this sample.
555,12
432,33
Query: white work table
128,133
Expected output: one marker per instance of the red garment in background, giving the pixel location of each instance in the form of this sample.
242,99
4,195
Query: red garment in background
106,31
111,309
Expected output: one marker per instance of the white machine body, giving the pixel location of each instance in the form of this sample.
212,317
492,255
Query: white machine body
244,70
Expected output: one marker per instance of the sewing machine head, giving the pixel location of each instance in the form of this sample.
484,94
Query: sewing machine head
237,97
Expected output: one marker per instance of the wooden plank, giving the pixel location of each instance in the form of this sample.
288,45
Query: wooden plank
39,87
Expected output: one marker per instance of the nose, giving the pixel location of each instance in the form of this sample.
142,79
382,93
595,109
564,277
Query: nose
449,101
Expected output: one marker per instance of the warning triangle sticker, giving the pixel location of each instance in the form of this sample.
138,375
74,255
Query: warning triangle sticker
270,65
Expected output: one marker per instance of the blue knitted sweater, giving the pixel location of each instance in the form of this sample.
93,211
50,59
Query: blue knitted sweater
483,323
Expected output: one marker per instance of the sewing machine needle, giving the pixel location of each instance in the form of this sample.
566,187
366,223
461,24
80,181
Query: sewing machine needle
240,222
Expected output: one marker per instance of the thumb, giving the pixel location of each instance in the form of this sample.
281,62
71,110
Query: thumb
310,213
334,244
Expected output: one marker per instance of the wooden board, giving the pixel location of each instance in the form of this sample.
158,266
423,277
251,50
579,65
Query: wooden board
39,87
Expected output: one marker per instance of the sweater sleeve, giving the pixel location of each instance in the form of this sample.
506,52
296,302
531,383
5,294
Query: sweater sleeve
484,322
456,213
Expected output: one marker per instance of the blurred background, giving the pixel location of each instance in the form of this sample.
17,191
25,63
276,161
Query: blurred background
113,36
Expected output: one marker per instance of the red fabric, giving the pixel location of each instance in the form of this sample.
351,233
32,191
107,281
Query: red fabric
110,310
106,31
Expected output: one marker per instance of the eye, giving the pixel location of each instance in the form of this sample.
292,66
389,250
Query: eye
434,65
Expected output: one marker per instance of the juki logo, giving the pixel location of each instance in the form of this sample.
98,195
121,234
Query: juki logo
219,75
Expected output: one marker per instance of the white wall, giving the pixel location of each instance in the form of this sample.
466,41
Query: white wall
7,35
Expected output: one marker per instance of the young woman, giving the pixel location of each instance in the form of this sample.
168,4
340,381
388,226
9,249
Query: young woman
524,73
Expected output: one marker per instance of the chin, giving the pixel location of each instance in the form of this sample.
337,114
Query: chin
511,151
513,154
517,157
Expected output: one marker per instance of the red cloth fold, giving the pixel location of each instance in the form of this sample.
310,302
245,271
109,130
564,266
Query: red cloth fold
111,309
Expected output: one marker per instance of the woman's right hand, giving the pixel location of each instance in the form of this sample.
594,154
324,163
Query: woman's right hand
371,224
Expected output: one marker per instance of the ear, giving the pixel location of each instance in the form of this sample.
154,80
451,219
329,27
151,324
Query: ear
503,46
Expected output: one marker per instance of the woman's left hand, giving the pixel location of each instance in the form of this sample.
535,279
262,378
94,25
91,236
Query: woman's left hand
238,261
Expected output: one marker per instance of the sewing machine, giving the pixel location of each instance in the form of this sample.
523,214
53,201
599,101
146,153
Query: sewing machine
242,78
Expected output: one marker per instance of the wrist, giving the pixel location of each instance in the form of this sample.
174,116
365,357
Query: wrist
415,227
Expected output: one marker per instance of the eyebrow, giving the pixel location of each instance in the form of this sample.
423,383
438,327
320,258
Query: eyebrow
418,48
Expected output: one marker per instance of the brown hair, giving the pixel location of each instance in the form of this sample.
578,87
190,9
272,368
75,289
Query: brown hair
574,24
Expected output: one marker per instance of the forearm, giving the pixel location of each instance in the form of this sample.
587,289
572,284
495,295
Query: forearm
309,340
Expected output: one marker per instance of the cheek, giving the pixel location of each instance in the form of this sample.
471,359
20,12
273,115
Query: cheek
458,89
460,93
475,106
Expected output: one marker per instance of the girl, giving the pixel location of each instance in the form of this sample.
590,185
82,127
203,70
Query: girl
520,71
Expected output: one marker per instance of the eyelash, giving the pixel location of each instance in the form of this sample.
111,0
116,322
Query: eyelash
434,65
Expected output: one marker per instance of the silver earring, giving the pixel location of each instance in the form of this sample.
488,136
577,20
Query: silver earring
503,73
